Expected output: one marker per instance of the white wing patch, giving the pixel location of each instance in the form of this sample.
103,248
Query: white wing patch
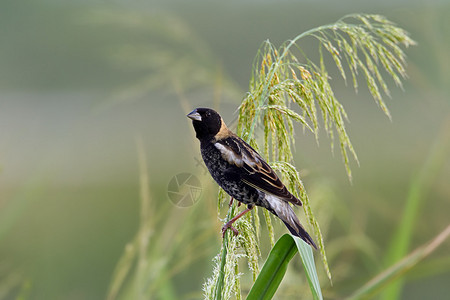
238,159
229,155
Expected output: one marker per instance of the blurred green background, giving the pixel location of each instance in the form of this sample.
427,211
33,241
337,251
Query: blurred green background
81,80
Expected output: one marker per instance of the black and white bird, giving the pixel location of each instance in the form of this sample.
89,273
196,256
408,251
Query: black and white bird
243,173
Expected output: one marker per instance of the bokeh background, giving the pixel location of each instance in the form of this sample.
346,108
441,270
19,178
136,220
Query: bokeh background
82,82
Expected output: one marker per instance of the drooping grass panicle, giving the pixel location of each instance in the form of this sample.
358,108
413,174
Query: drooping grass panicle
286,87
359,44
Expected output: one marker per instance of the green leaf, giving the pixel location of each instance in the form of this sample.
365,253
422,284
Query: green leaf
306,254
276,264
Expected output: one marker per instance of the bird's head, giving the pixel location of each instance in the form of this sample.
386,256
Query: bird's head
207,123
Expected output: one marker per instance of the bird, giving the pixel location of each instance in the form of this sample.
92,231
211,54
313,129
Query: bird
242,173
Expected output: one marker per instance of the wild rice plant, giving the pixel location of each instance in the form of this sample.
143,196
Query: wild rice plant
287,87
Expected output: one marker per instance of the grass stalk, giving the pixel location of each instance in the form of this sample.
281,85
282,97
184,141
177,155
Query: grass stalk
400,268
223,256
420,184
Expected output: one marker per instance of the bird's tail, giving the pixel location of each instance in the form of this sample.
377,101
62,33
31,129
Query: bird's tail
284,211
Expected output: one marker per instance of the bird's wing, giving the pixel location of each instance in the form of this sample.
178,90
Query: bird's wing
254,170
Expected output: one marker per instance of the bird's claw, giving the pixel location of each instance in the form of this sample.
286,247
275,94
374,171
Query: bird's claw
226,226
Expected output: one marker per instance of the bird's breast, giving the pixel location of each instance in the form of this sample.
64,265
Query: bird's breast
227,175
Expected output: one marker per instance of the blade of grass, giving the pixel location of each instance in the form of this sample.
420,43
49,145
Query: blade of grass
136,251
416,195
274,269
122,270
400,268
145,228
276,264
307,257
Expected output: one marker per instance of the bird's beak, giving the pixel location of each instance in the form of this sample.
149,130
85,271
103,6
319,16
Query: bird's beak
194,115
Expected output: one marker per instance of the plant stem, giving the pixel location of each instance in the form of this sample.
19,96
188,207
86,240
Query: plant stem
416,196
223,258
144,228
400,268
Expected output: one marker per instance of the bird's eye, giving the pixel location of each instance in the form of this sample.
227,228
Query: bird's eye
208,113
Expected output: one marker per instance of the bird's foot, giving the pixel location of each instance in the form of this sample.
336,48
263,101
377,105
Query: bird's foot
228,225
